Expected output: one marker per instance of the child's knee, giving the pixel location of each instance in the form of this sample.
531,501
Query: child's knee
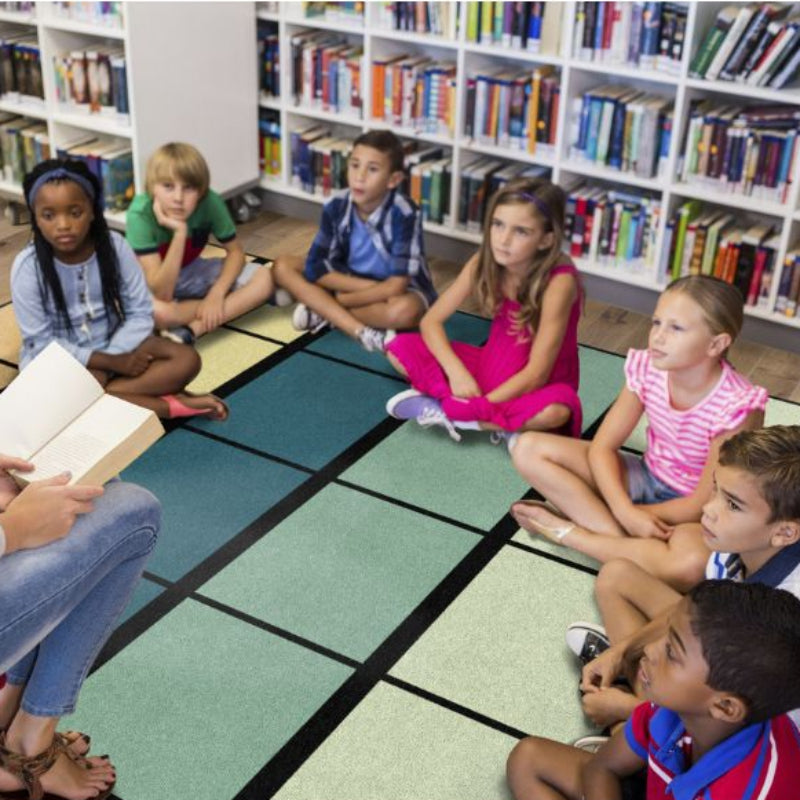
615,578
525,451
285,268
522,760
552,417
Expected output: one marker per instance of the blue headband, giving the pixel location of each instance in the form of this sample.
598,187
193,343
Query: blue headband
538,202
60,174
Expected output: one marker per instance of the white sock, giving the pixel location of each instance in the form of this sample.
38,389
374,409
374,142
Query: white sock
467,426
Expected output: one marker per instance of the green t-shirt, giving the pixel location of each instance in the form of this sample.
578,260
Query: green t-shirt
145,235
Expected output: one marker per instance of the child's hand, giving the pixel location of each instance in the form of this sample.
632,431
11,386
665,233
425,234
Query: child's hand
132,365
602,671
642,522
211,311
604,707
464,385
165,221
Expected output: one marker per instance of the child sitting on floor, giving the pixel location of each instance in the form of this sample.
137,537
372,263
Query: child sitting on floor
618,505
526,376
719,679
366,270
752,525
169,226
78,284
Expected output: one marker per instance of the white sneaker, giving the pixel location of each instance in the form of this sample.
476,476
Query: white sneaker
587,640
372,339
304,319
590,744
281,298
427,411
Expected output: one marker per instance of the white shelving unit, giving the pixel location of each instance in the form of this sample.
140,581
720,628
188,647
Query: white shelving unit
190,78
576,76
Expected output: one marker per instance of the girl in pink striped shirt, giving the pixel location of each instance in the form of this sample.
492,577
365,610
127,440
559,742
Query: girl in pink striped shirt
618,505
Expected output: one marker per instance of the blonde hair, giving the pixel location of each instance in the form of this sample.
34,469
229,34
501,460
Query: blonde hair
722,303
546,202
178,160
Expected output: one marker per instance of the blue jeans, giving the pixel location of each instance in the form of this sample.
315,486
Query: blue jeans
644,487
59,603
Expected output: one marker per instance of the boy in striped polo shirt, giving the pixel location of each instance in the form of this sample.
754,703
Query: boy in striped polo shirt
751,525
715,727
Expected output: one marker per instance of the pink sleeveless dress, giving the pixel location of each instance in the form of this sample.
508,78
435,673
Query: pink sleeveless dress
504,354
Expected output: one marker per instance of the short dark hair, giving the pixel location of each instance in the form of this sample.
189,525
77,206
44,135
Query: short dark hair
772,456
750,635
384,142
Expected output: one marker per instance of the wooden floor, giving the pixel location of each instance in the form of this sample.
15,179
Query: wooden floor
604,326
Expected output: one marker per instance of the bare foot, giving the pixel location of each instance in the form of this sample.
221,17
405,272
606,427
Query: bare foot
607,706
536,517
216,408
69,779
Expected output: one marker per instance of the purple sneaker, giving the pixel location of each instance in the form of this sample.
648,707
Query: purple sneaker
427,411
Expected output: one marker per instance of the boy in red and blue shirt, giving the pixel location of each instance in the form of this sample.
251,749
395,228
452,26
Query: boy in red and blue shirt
715,727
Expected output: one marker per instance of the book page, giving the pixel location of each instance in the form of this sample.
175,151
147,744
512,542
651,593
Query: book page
101,428
43,399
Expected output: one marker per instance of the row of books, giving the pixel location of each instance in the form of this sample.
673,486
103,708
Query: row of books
611,227
421,17
269,61
415,92
787,298
754,43
108,14
518,111
648,35
745,151
479,180
23,144
20,68
93,81
18,6
269,143
326,72
344,12
622,128
699,241
112,164
428,184
532,27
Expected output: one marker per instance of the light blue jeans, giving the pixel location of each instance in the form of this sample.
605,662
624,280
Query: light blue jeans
59,603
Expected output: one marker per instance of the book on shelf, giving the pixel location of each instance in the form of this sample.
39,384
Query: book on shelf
93,81
648,35
788,291
269,60
752,43
57,416
269,142
622,128
105,14
527,27
23,144
20,68
417,17
740,150
350,13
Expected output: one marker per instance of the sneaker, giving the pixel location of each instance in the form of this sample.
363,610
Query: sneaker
587,640
372,339
498,437
427,411
590,744
304,319
183,334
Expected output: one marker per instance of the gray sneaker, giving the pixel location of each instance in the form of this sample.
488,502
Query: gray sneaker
372,339
304,319
427,411
587,640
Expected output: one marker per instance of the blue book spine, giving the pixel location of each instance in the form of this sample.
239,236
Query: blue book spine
583,130
595,114
617,136
535,22
786,157
602,10
651,29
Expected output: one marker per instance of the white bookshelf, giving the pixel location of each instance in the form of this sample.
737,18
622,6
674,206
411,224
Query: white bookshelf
190,78
576,76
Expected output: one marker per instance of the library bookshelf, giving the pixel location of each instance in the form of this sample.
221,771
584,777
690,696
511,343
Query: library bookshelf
576,76
179,68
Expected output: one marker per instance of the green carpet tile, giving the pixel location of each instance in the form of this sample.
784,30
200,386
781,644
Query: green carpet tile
397,746
499,648
197,704
343,571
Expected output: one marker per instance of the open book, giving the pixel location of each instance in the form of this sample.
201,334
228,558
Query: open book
56,415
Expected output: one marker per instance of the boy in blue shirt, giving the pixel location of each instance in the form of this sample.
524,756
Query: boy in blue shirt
751,525
719,679
366,271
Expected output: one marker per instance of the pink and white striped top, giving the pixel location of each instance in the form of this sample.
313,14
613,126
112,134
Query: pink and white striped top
678,441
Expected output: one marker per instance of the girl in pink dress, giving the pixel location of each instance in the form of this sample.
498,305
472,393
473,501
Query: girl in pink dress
526,375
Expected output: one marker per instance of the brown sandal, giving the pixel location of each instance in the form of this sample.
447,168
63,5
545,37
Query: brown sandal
29,770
